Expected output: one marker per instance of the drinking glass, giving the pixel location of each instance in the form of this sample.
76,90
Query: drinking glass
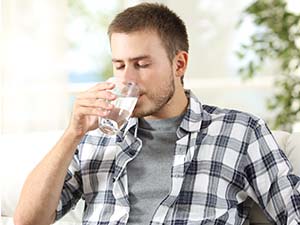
127,96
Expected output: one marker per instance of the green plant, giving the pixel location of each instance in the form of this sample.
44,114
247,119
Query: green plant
277,37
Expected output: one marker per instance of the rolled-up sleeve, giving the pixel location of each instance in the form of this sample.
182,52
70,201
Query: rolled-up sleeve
72,188
272,183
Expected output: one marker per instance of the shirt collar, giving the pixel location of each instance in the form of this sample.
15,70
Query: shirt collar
193,116
131,127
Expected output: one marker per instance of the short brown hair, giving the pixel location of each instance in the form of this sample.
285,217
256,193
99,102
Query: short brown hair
157,17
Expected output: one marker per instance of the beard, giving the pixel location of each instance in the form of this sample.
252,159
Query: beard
157,98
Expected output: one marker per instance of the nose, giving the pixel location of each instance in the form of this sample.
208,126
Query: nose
129,75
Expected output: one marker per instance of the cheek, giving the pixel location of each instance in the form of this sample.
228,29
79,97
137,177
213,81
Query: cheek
141,99
155,80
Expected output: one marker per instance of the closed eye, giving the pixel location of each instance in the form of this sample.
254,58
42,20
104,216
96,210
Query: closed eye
119,67
142,65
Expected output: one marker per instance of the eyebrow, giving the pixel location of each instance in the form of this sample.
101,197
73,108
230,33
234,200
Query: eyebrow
133,59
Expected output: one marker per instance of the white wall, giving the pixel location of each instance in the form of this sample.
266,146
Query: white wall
33,81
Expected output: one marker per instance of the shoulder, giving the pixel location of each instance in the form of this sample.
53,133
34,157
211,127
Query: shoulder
232,123
231,116
221,120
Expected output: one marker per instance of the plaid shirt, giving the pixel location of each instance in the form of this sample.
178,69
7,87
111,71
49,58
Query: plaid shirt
222,158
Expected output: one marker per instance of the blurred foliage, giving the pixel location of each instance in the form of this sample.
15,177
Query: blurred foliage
276,38
95,22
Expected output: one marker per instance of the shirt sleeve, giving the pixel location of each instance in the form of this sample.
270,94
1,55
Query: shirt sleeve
271,181
72,188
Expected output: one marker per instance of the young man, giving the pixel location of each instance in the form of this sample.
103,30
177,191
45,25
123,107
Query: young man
176,161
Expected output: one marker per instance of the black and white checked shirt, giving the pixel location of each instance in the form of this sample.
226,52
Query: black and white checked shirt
222,158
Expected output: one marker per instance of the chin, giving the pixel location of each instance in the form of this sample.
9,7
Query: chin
139,112
138,108
142,108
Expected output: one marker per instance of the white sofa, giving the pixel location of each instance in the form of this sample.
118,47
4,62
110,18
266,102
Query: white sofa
20,153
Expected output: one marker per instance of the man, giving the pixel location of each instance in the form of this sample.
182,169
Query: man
176,161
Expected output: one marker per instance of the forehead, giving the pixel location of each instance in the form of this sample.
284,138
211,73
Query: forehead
134,44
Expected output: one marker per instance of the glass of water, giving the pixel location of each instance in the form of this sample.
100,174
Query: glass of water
127,96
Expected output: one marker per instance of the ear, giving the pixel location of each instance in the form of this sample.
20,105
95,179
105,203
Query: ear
180,63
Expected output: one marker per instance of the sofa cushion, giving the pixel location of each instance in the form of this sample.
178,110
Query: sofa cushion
293,151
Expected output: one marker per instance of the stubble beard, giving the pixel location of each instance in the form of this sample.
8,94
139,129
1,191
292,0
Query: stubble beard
159,98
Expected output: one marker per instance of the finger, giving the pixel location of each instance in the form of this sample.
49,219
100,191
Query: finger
96,103
102,86
88,111
97,95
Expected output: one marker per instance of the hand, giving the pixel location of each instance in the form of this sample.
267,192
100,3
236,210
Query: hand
90,105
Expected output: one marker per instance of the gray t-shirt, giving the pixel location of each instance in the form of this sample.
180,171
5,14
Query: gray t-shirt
149,174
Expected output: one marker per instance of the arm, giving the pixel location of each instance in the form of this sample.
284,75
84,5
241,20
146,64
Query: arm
43,187
269,173
41,192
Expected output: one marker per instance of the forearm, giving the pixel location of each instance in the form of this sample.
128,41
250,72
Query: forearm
42,189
